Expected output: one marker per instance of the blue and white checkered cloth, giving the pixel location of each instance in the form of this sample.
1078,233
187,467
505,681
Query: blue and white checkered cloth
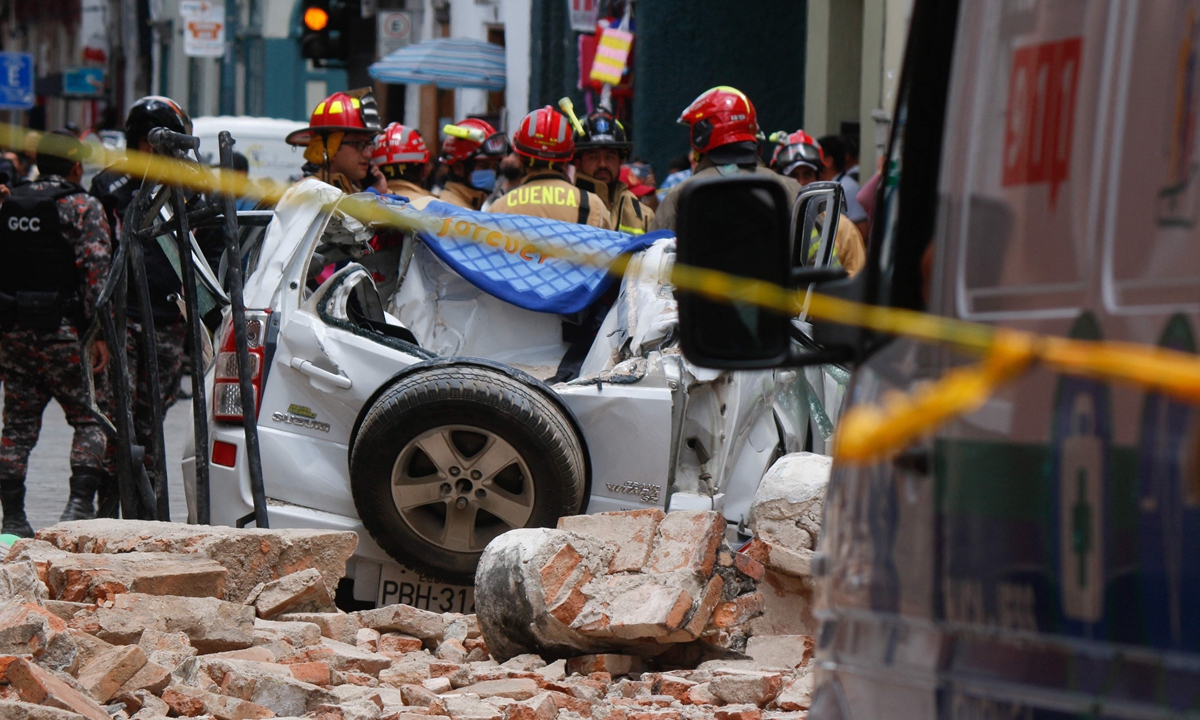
494,252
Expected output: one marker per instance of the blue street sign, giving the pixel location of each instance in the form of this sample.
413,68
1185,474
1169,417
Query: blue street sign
16,81
88,81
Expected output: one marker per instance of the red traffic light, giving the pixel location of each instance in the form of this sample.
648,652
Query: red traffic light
316,19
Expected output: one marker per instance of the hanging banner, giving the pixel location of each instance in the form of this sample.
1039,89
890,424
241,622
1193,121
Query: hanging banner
611,54
203,28
93,31
583,14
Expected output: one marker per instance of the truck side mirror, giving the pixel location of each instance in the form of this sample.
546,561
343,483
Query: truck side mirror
814,228
737,225
742,226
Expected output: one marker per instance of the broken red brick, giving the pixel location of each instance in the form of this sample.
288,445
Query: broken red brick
40,687
737,611
687,540
314,673
557,571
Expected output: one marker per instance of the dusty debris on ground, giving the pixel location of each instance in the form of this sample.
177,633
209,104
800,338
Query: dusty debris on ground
105,620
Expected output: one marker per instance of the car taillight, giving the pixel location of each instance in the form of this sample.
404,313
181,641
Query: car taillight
227,394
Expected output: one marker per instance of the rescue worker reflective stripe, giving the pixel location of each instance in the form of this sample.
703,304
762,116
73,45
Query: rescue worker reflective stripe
631,230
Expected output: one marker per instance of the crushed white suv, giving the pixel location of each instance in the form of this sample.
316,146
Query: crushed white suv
400,401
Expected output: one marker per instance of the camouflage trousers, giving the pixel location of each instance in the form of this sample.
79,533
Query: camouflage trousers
37,365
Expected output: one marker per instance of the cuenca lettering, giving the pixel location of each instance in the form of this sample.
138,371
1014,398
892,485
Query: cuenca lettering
25,224
480,233
645,491
543,195
289,419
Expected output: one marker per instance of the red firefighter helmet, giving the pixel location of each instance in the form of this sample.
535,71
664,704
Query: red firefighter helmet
481,139
352,112
720,116
545,134
399,145
797,149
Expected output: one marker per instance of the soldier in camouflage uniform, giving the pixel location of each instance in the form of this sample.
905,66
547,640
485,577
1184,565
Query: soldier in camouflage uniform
56,246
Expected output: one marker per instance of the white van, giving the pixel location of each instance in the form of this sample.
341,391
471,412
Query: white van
1039,557
261,140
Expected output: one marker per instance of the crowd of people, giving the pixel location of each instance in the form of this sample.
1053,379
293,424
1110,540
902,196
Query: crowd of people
58,238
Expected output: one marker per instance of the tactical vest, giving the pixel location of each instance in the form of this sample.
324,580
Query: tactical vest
39,281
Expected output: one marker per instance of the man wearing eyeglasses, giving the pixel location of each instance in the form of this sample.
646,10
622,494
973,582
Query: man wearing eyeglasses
339,139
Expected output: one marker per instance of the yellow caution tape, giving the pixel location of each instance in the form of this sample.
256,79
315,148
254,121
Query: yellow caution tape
865,433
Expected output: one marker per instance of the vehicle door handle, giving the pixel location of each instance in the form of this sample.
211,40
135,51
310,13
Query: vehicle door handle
313,371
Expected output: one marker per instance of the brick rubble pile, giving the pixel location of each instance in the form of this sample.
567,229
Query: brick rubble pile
646,616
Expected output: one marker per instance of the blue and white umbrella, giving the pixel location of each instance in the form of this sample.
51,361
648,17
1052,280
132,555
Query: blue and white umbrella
445,62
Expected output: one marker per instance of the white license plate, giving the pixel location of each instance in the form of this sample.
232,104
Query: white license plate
401,586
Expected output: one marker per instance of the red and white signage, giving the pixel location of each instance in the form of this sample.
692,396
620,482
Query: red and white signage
583,14
1040,119
203,28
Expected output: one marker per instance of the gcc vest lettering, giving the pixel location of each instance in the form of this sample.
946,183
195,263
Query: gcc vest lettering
25,224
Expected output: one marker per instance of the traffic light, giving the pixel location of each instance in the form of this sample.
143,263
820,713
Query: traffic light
324,25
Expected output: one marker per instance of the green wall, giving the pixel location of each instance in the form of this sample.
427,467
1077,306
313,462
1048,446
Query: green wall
685,47
682,48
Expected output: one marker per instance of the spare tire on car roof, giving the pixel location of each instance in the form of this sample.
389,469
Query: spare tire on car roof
452,456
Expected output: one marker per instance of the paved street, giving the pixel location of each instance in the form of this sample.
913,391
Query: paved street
49,466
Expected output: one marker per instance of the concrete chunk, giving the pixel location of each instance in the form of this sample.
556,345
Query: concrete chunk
20,580
649,609
404,619
335,625
168,649
687,540
29,629
90,577
632,532
512,688
104,675
797,694
152,677
211,625
780,651
16,710
303,591
250,555
298,634
752,688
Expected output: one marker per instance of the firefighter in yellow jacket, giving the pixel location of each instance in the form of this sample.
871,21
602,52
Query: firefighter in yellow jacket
472,151
598,157
546,144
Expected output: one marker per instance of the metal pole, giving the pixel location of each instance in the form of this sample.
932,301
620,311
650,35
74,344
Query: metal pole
199,405
229,60
149,343
234,275
115,325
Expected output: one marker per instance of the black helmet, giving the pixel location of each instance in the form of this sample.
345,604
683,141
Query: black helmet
602,130
154,111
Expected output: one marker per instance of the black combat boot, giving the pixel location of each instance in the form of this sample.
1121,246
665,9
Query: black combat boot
12,500
81,503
